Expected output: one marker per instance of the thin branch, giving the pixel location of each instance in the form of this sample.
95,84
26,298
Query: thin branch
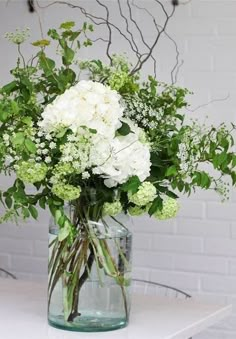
142,57
209,103
8,273
178,64
168,17
31,6
128,30
92,18
109,30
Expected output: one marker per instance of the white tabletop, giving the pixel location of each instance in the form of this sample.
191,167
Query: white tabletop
23,316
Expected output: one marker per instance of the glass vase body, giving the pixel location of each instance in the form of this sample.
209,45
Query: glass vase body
102,297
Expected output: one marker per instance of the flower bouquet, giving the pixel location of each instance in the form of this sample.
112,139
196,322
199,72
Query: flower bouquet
99,145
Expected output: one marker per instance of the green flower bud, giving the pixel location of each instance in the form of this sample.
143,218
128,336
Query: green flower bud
136,211
169,210
31,172
117,80
66,192
112,208
146,193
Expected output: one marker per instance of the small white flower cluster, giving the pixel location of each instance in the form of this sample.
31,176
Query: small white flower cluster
12,156
77,151
19,36
222,188
44,144
141,113
189,154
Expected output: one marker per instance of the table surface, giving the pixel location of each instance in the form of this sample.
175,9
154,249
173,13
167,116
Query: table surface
23,316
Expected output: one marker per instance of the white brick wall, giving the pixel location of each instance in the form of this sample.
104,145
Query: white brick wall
197,251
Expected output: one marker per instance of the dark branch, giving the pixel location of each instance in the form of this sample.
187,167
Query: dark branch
109,30
31,5
168,17
128,30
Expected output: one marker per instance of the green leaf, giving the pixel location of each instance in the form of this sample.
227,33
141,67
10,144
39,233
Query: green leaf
64,231
30,145
74,35
171,171
156,205
33,212
57,215
85,26
68,56
61,134
27,120
155,160
4,115
42,202
131,185
25,212
67,25
180,185
19,139
124,129
46,64
8,201
205,180
172,195
15,107
41,43
53,34
219,159
90,27
9,88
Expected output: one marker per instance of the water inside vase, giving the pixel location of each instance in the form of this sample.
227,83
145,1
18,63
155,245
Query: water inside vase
103,303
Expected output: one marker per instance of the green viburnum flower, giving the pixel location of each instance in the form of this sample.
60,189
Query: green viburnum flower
66,192
146,193
112,208
136,211
31,172
63,169
118,80
169,210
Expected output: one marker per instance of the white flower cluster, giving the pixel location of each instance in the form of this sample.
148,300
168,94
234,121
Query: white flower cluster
140,112
89,104
222,188
189,153
93,113
121,159
18,37
77,151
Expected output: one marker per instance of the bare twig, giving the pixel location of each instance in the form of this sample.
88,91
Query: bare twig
128,30
209,103
140,64
142,54
31,5
8,273
109,29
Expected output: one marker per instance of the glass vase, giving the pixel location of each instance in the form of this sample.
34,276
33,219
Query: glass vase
89,277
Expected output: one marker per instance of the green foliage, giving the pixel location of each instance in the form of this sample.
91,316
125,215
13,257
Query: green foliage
178,150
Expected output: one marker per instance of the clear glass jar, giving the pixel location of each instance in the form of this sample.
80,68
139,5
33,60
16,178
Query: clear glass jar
89,283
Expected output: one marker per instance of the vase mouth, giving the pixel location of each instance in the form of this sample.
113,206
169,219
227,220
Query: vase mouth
107,228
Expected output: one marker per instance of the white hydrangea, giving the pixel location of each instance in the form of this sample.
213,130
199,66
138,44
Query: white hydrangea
120,159
89,104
